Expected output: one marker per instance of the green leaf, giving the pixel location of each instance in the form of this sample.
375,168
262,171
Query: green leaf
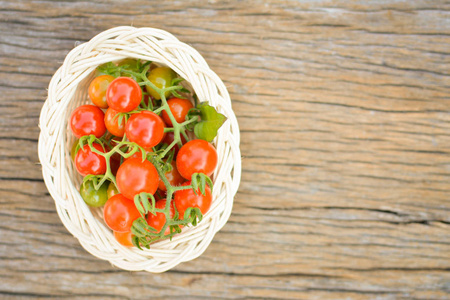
109,69
142,203
176,94
174,229
135,241
141,228
79,145
119,121
194,182
199,181
194,215
176,81
145,67
199,214
210,122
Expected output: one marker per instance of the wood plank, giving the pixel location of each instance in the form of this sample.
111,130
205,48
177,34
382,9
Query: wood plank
345,135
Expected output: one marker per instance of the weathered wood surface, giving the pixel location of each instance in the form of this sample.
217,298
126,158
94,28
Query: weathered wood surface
344,108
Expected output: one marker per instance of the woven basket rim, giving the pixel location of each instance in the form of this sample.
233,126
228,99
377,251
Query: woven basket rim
65,90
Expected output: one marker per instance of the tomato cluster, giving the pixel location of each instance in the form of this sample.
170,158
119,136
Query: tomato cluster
139,151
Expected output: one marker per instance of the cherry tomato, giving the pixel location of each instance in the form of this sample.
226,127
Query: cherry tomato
145,129
173,176
97,90
93,197
168,139
112,123
112,190
136,176
162,78
196,156
88,162
187,198
124,94
119,213
124,238
86,120
158,220
179,108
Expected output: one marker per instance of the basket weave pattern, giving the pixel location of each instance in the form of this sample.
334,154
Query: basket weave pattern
68,90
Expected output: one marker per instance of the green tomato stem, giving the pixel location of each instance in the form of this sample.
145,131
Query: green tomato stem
158,110
188,122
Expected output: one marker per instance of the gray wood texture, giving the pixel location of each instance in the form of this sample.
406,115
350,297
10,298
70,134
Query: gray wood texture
344,109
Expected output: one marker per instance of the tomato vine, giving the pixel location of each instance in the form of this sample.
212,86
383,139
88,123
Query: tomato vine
203,120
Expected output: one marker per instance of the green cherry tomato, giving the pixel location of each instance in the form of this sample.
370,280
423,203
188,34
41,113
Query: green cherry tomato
112,190
73,150
93,197
161,77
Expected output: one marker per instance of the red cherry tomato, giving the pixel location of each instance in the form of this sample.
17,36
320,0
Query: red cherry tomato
179,108
86,120
196,156
119,213
187,198
123,94
158,220
112,123
88,162
97,90
168,139
145,129
136,176
173,176
124,238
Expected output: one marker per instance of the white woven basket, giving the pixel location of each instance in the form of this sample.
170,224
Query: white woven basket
68,89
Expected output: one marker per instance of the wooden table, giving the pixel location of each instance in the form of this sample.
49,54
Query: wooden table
344,110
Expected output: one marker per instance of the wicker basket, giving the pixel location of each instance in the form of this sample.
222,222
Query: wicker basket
68,89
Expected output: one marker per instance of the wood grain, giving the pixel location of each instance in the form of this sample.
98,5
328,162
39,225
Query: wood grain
344,109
